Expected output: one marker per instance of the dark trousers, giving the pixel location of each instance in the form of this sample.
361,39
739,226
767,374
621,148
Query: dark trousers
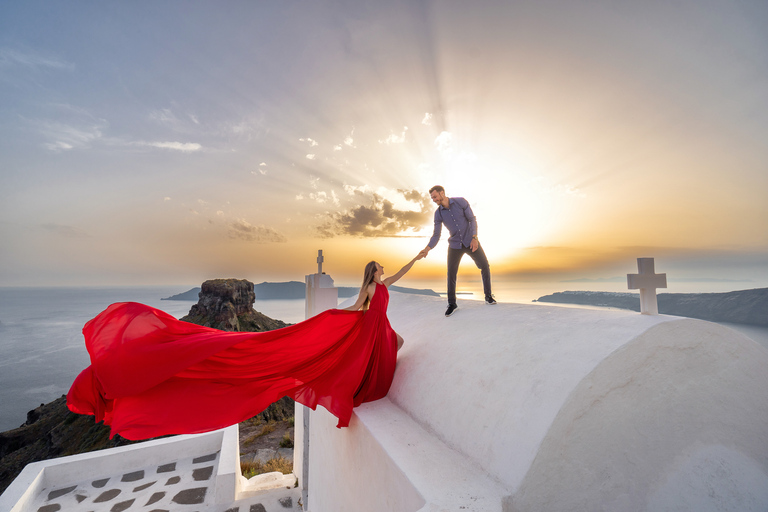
454,258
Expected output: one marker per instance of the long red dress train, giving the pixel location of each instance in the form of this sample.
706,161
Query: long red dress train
153,375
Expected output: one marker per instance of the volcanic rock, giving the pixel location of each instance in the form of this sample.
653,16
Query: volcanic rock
227,304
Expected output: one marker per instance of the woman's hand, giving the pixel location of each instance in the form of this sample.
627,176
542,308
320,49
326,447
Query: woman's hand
388,281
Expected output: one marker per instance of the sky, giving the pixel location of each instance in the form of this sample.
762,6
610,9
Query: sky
177,141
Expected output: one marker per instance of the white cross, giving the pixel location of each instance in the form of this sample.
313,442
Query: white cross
647,281
320,260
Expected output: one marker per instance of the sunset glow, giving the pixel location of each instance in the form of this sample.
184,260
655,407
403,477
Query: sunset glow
150,143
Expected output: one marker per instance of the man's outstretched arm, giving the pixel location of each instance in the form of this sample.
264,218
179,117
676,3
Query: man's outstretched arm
435,235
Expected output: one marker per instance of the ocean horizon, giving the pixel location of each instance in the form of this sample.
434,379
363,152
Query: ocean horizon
42,348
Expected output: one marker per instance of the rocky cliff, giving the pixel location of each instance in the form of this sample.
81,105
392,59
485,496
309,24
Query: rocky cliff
227,304
739,307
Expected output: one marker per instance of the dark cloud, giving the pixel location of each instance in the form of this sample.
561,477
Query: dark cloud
380,218
242,230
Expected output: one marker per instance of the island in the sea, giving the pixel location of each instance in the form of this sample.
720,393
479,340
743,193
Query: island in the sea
296,290
738,307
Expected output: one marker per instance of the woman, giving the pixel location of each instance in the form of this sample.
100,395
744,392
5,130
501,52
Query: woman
154,375
371,283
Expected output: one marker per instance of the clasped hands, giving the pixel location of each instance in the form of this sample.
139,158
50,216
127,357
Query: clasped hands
473,245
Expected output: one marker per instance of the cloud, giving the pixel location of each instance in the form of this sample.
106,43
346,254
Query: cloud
31,60
64,136
444,142
337,147
168,118
348,140
395,139
380,218
261,171
57,146
312,142
64,230
427,119
185,147
243,128
320,197
247,129
361,190
323,197
311,156
164,116
242,230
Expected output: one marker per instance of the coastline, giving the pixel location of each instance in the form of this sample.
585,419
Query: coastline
42,351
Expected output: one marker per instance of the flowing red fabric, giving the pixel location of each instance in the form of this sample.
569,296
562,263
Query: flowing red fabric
153,375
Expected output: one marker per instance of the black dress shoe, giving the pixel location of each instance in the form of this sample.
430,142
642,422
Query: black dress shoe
451,309
490,300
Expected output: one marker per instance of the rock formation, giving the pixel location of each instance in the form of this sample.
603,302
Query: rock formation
227,304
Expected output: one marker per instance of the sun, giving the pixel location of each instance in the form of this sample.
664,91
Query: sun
514,205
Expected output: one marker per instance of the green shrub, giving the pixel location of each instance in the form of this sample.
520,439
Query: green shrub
286,441
280,463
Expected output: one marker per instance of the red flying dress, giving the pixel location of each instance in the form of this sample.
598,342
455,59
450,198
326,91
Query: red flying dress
153,375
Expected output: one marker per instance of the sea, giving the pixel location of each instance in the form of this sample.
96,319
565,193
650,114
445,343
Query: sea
42,348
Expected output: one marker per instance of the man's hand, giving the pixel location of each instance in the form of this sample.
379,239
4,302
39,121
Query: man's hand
474,244
423,253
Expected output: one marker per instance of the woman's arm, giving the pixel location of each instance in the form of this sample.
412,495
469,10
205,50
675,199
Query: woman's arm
360,301
390,280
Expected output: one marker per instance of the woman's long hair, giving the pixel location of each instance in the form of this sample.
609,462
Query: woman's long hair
370,270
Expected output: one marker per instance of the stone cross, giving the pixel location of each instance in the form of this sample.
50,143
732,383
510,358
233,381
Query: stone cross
647,281
320,260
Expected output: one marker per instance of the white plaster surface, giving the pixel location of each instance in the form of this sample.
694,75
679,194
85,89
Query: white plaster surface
385,461
349,470
195,472
565,409
321,294
734,480
676,419
490,380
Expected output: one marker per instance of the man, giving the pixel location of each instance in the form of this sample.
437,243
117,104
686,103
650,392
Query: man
461,223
